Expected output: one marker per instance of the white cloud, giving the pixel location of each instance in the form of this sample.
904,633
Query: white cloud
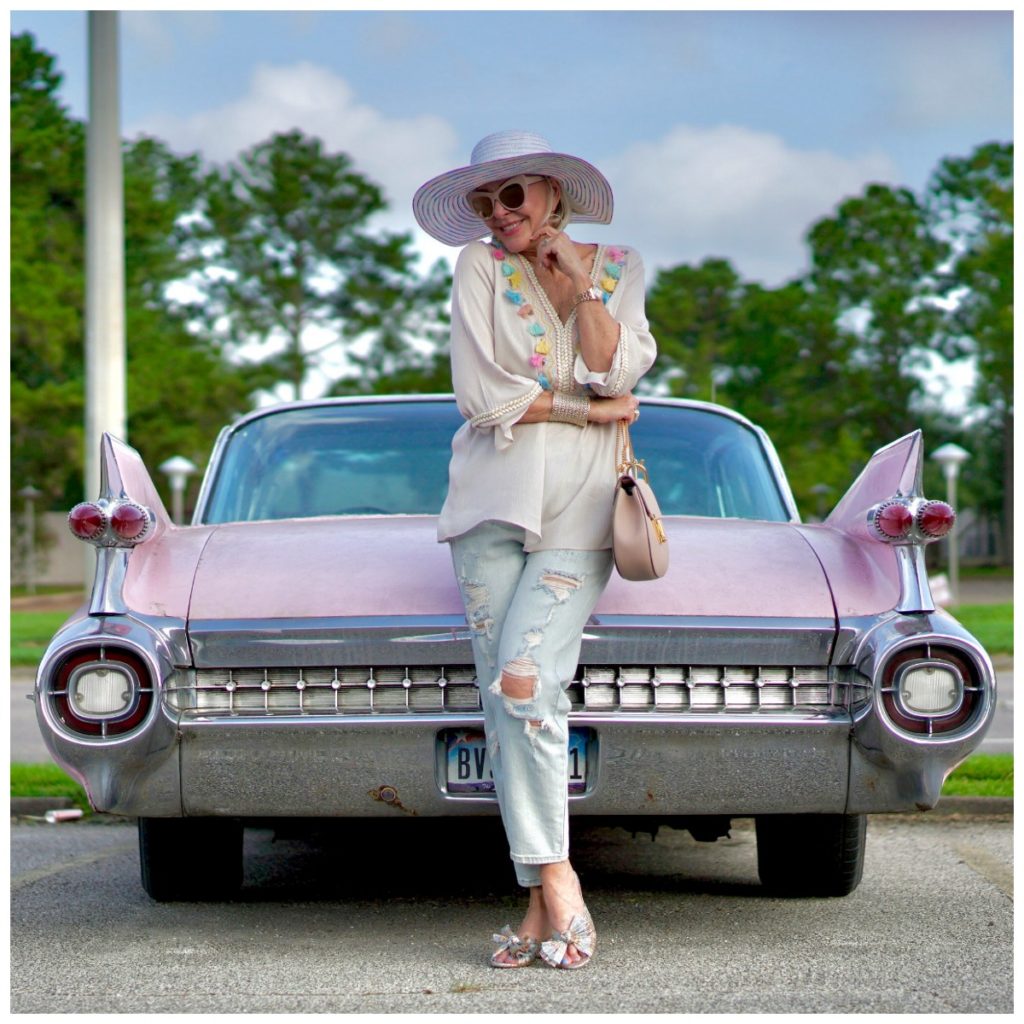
732,192
694,192
397,153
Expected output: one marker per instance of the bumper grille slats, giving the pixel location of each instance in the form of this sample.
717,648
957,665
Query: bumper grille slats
666,689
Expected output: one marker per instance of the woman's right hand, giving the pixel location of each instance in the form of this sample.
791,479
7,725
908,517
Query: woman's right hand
608,410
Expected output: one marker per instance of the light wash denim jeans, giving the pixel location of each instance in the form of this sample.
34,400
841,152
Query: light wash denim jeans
527,613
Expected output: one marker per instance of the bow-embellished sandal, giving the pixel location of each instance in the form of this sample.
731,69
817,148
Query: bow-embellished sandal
581,933
522,951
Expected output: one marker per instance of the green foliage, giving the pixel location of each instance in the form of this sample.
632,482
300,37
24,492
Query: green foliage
982,775
398,324
830,364
992,624
180,388
293,254
46,780
878,262
278,248
775,355
691,312
972,201
47,280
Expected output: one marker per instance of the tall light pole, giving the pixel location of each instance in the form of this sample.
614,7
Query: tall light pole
105,404
177,469
30,493
951,457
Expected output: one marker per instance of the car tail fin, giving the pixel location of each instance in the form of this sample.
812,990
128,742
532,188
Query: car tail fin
128,512
894,471
123,476
886,505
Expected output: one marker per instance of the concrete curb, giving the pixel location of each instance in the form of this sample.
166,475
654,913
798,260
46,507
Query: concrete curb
37,806
973,805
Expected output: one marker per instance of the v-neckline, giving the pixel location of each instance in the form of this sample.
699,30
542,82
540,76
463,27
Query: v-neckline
545,300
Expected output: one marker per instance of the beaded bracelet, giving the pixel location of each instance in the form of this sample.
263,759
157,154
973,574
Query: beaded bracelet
574,409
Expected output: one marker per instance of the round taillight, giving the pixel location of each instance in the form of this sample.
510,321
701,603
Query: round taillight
129,522
893,520
935,518
930,690
87,521
102,692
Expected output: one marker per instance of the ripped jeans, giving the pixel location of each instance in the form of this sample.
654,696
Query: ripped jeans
526,612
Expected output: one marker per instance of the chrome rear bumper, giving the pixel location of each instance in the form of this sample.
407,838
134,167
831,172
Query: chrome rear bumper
640,764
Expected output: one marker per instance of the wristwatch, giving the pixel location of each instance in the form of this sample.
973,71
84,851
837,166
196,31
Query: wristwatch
592,294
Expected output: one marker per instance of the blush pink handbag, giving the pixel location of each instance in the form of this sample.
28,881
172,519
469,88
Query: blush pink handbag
639,544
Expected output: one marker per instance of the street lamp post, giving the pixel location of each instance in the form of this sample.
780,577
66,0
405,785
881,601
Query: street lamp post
178,469
951,457
30,494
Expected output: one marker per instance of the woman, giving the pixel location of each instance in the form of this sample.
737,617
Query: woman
548,339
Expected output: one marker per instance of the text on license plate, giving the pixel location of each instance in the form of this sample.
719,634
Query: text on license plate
469,767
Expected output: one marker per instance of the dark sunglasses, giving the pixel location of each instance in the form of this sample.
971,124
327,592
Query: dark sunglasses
511,194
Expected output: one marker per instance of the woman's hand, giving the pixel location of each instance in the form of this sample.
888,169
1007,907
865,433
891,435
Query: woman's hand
608,410
557,252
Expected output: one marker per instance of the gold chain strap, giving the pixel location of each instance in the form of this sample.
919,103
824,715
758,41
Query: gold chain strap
628,462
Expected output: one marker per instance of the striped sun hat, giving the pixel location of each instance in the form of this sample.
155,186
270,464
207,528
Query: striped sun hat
443,211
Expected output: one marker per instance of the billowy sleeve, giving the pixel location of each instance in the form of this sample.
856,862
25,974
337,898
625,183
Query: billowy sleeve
489,396
636,348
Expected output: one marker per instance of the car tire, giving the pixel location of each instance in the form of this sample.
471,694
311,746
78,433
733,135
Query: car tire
190,858
811,854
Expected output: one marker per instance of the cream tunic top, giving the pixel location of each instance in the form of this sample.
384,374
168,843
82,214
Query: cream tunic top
555,480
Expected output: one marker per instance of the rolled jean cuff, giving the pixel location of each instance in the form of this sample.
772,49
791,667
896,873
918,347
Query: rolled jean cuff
539,858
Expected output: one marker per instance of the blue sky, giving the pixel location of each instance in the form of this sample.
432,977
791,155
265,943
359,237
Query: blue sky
724,133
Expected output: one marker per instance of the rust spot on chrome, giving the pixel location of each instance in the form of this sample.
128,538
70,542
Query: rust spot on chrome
389,795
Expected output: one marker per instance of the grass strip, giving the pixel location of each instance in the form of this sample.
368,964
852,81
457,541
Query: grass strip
46,780
30,633
982,775
992,624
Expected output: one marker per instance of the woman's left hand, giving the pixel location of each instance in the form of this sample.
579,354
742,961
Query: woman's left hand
557,251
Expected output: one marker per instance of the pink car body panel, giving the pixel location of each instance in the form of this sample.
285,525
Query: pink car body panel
394,566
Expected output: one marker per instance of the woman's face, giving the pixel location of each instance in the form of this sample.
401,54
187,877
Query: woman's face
516,229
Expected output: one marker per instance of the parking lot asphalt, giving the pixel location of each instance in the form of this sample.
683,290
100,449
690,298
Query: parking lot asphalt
367,922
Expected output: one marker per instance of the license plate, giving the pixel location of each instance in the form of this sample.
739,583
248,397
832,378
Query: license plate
469,767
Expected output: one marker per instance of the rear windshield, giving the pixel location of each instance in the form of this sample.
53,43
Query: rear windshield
393,458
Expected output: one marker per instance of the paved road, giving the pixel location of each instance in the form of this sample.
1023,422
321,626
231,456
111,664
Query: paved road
333,923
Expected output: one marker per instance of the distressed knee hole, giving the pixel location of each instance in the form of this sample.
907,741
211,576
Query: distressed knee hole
519,679
517,687
561,585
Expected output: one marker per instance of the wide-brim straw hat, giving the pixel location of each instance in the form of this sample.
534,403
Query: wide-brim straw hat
443,211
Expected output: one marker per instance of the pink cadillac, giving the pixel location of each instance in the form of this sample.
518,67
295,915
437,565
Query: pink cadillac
301,650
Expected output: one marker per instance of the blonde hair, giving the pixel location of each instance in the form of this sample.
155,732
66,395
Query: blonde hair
561,214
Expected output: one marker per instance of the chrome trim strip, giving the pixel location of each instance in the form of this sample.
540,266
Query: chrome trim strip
609,639
723,720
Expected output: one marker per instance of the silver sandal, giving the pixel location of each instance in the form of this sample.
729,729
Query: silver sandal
522,951
581,934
